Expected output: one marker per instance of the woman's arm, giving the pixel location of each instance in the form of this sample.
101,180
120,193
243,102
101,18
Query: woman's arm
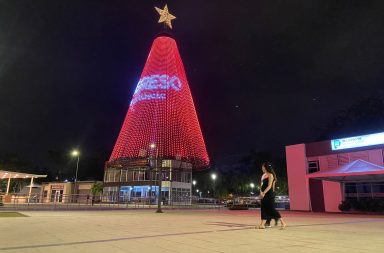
261,185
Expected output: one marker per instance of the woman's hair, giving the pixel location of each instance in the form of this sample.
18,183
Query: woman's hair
269,168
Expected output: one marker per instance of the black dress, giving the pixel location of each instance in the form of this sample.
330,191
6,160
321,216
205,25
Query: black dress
268,210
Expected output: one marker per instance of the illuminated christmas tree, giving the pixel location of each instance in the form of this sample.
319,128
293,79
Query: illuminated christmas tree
161,120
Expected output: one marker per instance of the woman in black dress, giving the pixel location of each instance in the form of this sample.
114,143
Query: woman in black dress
268,210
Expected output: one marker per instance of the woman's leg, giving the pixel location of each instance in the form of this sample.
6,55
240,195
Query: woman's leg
263,213
283,224
262,224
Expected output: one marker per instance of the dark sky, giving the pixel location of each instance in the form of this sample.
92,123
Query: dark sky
263,74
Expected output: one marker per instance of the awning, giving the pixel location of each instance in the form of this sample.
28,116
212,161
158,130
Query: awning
12,174
356,171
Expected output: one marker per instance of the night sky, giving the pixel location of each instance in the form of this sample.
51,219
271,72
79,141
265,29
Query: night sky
263,74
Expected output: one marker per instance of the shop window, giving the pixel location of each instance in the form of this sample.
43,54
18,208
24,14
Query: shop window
364,190
313,166
124,176
138,175
130,175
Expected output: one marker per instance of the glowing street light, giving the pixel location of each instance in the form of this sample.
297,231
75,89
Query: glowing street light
252,185
151,146
213,176
76,153
194,182
159,198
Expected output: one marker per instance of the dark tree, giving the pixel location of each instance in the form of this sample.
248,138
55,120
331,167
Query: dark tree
364,117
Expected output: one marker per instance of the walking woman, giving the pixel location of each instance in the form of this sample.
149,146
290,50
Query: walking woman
268,210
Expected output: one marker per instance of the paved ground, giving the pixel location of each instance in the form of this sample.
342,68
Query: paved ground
188,231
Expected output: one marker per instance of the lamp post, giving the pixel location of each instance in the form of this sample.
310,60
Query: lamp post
151,146
76,153
159,198
213,176
199,192
194,184
252,185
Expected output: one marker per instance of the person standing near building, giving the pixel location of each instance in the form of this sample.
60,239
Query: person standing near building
268,210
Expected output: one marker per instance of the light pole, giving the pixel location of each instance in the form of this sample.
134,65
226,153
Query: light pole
199,192
151,146
159,198
252,185
213,176
74,154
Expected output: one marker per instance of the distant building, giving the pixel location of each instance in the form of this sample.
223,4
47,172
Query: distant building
322,174
65,192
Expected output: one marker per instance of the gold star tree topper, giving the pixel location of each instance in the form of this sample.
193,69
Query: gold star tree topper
165,16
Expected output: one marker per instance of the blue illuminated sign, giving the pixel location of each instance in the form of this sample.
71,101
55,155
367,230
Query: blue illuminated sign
358,141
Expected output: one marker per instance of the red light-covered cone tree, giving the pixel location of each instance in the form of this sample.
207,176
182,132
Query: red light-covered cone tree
162,112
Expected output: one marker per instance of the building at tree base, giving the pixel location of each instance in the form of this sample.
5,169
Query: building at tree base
128,180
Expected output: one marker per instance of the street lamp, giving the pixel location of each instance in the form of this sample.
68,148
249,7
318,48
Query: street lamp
213,176
76,153
252,185
199,192
151,146
159,198
194,184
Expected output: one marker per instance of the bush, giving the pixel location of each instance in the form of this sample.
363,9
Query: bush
345,206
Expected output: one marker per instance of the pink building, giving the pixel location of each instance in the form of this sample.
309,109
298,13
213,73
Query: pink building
322,174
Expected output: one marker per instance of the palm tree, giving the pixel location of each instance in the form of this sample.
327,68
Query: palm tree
97,188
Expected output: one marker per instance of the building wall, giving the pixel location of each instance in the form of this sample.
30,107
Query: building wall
297,181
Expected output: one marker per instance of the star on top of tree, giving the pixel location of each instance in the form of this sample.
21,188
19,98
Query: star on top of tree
165,16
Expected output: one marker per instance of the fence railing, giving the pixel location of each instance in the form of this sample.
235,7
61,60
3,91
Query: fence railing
78,201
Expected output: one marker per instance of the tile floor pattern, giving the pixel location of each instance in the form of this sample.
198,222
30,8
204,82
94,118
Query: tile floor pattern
187,231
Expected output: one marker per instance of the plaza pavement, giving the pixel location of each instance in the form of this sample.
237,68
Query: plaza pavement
187,231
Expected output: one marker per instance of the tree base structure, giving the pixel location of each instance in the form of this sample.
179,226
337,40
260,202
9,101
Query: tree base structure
137,181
